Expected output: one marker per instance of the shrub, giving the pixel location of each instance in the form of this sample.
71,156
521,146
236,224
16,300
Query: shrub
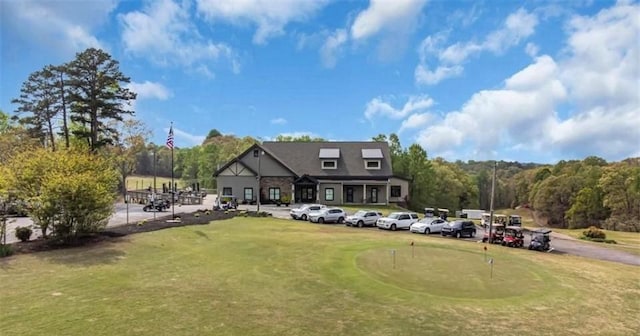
594,233
599,240
5,250
23,233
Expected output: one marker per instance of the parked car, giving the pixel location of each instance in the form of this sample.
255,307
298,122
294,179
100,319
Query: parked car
459,228
327,215
363,218
303,211
428,225
397,220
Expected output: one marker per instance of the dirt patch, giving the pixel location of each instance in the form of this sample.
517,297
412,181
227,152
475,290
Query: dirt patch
113,234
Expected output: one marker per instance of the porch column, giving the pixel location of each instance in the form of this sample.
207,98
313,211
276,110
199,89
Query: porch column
341,192
388,191
292,196
318,192
364,193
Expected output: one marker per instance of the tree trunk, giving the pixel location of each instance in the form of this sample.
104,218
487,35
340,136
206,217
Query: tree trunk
51,137
65,127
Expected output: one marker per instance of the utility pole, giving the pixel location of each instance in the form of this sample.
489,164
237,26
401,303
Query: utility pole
259,178
493,187
155,159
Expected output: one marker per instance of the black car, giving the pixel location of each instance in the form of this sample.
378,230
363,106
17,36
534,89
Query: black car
459,228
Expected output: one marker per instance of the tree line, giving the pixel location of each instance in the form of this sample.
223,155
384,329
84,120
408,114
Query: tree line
83,107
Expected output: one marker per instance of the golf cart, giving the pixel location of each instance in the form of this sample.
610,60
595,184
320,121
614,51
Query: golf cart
226,202
429,212
496,235
515,220
157,205
540,240
513,237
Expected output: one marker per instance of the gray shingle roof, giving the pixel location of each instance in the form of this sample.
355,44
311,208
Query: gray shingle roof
302,157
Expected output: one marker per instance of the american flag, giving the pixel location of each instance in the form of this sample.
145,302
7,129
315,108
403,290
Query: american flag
170,138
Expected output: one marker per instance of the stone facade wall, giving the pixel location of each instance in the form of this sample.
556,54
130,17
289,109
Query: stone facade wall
284,183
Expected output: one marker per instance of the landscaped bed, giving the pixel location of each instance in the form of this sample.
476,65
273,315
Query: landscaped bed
200,217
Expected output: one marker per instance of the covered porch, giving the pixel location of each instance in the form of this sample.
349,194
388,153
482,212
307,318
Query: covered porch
305,189
354,192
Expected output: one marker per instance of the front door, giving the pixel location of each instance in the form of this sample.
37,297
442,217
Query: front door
374,195
349,194
307,194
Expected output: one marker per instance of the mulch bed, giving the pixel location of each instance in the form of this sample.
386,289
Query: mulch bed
111,234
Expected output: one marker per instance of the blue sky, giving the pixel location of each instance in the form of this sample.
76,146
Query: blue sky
514,80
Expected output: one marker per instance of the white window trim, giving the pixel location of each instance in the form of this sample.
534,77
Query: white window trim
366,165
335,164
333,195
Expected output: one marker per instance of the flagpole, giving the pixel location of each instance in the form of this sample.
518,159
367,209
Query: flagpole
173,191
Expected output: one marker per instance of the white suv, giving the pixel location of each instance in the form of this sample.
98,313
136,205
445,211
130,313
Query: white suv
327,215
397,220
303,211
363,218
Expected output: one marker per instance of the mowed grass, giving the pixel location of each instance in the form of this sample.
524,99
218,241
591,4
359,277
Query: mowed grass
137,182
257,276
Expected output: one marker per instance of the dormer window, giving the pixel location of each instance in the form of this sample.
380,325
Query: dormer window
372,164
329,164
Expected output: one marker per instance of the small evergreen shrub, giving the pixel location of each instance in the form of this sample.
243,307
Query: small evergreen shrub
23,233
594,233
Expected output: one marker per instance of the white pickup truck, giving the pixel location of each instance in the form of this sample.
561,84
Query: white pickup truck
397,220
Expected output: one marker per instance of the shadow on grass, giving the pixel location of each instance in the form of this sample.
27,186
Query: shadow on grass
201,234
82,257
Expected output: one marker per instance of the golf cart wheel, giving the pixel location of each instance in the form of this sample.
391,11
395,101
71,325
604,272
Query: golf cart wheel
427,231
360,224
393,227
484,240
303,217
340,220
321,220
458,235
473,234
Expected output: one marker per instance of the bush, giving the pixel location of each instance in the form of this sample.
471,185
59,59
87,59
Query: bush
23,233
599,240
5,250
594,233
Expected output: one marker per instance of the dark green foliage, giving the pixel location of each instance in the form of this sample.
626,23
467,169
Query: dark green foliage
5,250
97,96
23,233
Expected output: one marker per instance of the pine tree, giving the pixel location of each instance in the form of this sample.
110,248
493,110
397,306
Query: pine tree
96,96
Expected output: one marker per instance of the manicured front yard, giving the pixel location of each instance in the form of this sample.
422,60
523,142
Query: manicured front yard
257,276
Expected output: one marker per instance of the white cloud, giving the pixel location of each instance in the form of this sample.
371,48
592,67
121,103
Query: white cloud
279,121
379,107
270,16
163,32
584,103
185,139
67,27
532,49
426,76
150,90
332,46
397,15
416,120
516,27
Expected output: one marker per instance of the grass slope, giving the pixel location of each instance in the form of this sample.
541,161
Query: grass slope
250,276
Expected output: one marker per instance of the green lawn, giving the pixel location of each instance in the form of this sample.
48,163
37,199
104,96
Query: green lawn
250,276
